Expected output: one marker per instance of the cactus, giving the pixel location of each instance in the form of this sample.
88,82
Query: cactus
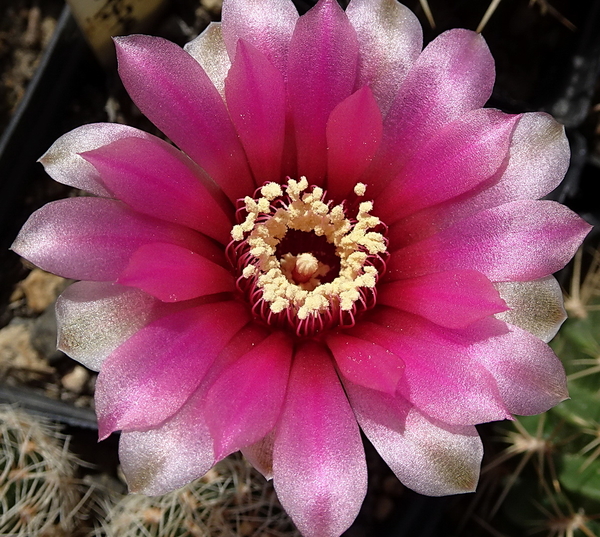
231,500
39,495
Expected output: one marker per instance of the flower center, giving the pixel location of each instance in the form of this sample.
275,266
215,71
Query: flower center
303,263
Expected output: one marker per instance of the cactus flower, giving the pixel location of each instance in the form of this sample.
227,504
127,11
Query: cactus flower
340,238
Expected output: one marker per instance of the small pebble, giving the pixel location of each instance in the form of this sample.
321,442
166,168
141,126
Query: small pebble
76,379
41,289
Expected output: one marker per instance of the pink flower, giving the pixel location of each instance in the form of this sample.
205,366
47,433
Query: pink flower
403,287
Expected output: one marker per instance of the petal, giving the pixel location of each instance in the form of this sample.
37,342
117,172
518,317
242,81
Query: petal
94,318
319,467
244,403
530,377
523,240
366,363
439,378
160,460
354,131
93,238
156,179
148,378
63,163
256,99
453,299
260,455
244,341
429,457
390,39
172,273
266,24
453,75
463,155
208,49
174,92
322,73
538,158
536,306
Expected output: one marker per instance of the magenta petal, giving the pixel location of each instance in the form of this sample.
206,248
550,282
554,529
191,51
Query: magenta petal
174,92
255,94
523,240
266,24
453,299
366,363
453,75
63,163
530,377
172,273
93,238
439,378
149,377
537,162
390,39
319,467
353,132
244,403
429,457
463,155
538,158
322,73
94,318
156,179
160,460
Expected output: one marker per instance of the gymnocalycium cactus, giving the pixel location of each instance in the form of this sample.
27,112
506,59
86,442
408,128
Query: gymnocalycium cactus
39,494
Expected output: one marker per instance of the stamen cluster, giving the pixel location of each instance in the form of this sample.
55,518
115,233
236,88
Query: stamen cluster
302,291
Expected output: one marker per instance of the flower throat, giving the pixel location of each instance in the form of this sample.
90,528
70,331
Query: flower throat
304,264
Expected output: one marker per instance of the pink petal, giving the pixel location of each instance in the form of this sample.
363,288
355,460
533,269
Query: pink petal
461,156
94,318
353,132
174,92
366,363
208,49
168,457
149,377
256,99
429,457
266,24
260,455
453,75
530,377
390,39
156,179
523,240
63,163
322,72
439,379
93,238
244,403
319,467
172,273
453,299
537,161
536,306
